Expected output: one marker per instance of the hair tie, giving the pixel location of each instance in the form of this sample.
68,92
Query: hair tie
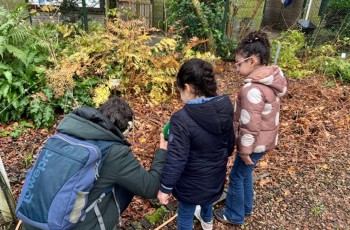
254,39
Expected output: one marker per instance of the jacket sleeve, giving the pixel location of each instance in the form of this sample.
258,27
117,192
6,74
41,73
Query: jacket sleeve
125,170
231,143
177,155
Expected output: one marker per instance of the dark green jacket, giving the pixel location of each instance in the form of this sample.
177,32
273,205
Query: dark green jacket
120,167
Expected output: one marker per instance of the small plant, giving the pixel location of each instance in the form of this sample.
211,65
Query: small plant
5,133
329,84
40,110
158,216
26,124
29,159
317,210
20,128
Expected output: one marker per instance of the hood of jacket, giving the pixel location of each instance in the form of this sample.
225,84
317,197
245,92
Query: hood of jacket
215,116
271,76
90,124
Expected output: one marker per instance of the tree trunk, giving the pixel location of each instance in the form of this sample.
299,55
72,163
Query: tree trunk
277,17
244,27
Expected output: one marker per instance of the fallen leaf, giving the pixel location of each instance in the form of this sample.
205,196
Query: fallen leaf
264,181
325,166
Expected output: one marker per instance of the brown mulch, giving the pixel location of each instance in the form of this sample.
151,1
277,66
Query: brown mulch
302,184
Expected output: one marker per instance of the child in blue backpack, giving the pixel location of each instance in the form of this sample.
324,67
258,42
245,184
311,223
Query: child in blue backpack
121,169
200,141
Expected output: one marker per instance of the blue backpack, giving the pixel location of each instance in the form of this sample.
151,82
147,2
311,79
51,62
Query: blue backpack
55,191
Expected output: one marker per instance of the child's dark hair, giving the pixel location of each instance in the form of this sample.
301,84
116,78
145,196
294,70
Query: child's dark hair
118,111
200,75
255,43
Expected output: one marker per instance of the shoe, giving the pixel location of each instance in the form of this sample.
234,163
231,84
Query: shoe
219,214
205,225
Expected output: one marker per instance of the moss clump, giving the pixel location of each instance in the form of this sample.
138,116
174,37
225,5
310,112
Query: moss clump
157,216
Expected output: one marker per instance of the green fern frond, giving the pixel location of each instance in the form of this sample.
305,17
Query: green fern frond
6,26
17,35
17,53
3,12
31,56
3,42
4,66
8,76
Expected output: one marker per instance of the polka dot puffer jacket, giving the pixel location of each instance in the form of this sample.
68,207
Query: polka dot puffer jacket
257,110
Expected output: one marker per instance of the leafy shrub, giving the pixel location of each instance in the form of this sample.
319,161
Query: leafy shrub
41,110
120,52
292,42
326,60
187,21
337,17
26,52
22,56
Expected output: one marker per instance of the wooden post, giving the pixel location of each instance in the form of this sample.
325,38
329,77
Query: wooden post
85,16
7,201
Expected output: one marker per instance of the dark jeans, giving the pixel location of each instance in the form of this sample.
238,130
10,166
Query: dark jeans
240,194
186,214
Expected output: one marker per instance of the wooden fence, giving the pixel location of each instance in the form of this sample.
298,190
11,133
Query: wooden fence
137,8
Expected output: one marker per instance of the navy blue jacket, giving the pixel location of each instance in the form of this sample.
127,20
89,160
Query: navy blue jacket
201,138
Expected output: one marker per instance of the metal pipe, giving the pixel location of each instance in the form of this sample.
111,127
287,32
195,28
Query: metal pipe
308,10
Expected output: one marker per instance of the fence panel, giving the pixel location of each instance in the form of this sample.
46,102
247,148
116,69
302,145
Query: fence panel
271,14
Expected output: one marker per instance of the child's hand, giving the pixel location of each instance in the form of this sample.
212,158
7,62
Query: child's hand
163,197
163,144
246,159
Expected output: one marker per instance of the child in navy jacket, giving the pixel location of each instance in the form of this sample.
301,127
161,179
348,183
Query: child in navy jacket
200,141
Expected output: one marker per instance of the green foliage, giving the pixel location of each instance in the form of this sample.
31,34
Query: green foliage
189,23
329,84
22,56
299,60
332,66
337,17
292,42
325,59
158,216
25,53
318,210
12,90
80,96
186,22
40,110
10,4
121,53
226,49
29,159
18,129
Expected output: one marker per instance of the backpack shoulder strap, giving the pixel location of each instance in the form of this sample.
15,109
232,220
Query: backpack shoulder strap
98,214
